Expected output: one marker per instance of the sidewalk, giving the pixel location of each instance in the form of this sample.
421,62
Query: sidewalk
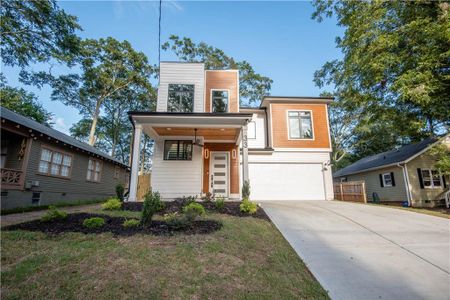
32,215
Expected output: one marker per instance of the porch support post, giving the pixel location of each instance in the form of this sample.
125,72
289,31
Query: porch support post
244,154
135,163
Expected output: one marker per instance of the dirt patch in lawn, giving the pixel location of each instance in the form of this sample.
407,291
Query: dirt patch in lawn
74,223
230,208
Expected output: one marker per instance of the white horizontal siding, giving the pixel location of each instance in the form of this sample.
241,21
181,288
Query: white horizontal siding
181,73
260,128
175,179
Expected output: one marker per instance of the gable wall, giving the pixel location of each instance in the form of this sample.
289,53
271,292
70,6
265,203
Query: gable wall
395,193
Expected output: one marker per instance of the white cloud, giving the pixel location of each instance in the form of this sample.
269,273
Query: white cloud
60,125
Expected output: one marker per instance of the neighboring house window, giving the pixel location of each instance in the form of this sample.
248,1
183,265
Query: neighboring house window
251,130
55,163
94,170
178,150
219,101
300,125
431,178
181,98
387,179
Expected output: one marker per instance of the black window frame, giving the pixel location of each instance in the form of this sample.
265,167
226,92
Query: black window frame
213,97
173,108
299,117
180,155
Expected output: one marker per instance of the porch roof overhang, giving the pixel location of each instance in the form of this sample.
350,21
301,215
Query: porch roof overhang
212,126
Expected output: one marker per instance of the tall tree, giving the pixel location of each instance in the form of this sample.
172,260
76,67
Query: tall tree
24,103
36,31
109,68
252,86
395,73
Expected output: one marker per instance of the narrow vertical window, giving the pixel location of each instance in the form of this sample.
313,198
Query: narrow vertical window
219,101
94,170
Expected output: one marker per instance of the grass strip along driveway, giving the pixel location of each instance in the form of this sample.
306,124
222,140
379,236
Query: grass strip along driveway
246,259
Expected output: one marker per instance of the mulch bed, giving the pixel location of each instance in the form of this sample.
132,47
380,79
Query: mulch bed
74,223
231,208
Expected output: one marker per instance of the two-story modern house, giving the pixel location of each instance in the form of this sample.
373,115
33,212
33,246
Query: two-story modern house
205,142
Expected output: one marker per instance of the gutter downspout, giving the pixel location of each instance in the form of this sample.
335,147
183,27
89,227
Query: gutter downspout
406,181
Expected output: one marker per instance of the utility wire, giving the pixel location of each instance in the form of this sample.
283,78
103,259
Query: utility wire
159,36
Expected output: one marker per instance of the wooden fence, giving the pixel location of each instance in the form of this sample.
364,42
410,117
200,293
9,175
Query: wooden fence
354,191
144,185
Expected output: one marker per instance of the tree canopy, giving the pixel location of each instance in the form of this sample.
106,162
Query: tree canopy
24,103
394,78
112,73
252,86
36,31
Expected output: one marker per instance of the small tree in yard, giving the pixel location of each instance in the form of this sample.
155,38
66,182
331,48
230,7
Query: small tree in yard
152,204
246,190
120,189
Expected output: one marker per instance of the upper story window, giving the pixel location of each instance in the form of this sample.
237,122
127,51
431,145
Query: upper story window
177,150
387,179
219,100
181,98
300,125
55,163
94,170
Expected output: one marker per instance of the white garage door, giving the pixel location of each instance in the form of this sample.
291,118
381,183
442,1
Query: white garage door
286,181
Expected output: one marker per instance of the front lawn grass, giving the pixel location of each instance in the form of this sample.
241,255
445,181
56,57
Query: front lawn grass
247,259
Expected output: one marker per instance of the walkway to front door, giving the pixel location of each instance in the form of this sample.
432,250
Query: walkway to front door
219,183
359,251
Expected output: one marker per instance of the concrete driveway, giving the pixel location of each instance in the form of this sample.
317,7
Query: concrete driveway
368,252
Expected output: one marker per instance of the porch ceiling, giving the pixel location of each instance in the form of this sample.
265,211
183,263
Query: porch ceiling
225,134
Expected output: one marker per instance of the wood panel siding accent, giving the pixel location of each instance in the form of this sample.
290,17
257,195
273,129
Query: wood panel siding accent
280,131
234,165
208,133
222,80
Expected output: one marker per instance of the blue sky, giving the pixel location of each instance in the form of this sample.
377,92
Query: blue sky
279,39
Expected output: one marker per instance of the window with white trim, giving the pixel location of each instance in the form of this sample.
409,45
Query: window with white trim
94,170
431,178
387,179
251,130
55,163
300,125
219,101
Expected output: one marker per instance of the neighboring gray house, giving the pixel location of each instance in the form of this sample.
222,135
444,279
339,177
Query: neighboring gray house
40,166
405,174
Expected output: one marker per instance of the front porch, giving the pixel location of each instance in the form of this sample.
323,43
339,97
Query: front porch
14,157
194,153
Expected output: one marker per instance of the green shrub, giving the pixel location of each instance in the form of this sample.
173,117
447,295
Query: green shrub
112,204
131,223
207,197
219,203
53,214
193,210
176,221
94,222
246,190
152,204
248,206
120,190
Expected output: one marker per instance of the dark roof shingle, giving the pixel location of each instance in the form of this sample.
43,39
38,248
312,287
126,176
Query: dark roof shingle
36,126
385,158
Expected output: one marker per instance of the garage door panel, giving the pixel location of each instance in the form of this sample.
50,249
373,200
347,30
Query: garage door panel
276,181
